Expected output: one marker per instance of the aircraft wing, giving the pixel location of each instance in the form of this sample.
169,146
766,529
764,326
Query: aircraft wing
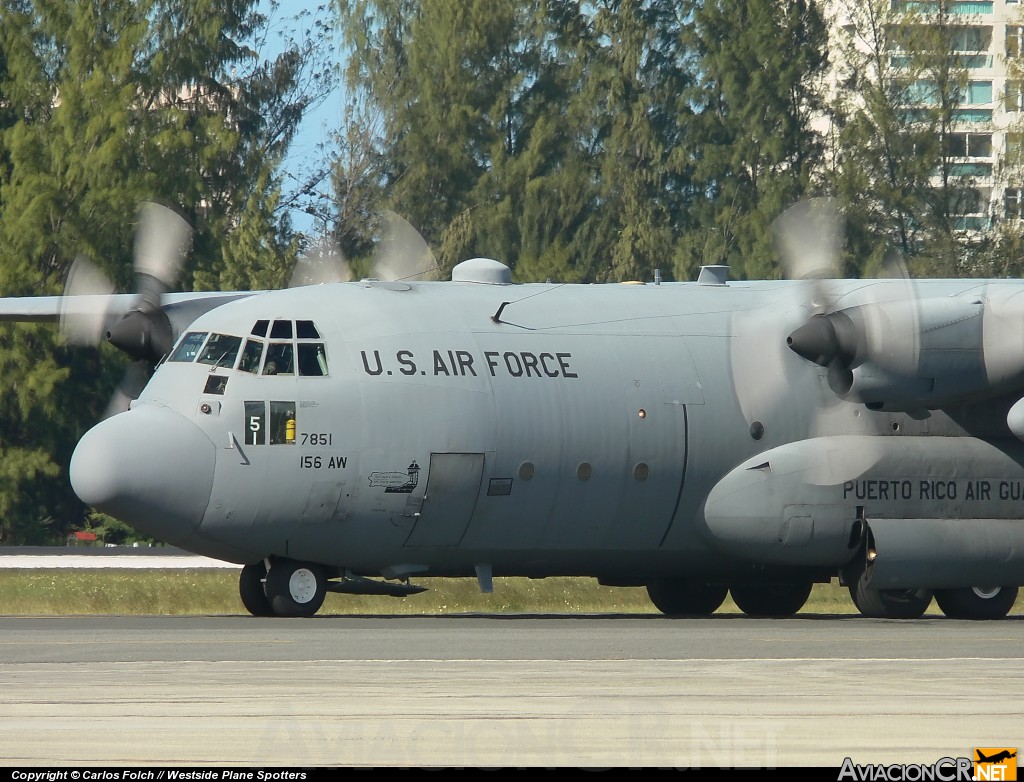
43,309
85,319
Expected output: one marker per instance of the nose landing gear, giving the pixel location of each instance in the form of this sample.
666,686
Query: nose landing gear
290,588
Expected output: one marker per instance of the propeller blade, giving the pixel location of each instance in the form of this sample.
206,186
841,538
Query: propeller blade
83,308
401,253
809,236
892,331
128,389
162,241
762,367
324,262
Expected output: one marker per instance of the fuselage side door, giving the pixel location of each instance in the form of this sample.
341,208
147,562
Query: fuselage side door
453,485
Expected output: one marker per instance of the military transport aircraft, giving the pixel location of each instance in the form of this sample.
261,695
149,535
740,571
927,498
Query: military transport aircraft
696,438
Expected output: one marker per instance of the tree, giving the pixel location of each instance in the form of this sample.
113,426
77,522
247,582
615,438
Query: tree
106,105
541,133
761,65
635,112
898,118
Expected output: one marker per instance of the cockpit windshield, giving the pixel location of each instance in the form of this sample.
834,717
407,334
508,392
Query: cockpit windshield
251,355
292,345
221,350
189,346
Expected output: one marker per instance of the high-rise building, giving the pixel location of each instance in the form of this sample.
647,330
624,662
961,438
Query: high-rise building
988,42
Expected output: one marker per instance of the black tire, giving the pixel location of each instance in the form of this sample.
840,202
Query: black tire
295,588
251,590
889,603
976,602
771,599
676,597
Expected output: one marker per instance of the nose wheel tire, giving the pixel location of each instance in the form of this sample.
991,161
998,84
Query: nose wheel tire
252,591
771,599
676,597
976,602
295,588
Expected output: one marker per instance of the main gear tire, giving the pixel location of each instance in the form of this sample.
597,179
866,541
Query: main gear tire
976,602
678,597
889,603
771,600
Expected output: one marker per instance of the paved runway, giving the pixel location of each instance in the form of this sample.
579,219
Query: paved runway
506,690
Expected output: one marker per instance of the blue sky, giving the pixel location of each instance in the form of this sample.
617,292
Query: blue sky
317,126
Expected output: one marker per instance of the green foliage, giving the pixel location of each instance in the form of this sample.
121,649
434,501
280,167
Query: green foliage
896,168
110,531
754,150
586,142
102,106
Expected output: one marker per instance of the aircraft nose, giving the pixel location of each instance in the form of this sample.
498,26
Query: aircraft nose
149,467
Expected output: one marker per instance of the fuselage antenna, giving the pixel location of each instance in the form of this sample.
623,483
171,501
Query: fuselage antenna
496,317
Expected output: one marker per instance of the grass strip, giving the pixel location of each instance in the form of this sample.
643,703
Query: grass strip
186,592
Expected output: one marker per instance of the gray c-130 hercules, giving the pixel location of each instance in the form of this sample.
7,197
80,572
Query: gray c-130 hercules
696,438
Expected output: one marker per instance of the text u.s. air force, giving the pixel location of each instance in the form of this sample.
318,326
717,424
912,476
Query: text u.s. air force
463,363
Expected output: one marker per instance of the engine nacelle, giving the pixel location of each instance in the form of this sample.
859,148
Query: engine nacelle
922,354
940,512
945,553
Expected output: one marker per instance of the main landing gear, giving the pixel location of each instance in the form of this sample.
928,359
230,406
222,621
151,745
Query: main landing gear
288,588
771,600
976,602
961,603
678,597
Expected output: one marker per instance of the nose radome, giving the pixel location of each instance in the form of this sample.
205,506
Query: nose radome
149,467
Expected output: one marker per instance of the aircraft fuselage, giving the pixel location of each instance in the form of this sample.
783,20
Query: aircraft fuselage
608,430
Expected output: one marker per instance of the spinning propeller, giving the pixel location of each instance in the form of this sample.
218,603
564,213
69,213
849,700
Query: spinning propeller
878,328
162,241
400,254
830,323
808,237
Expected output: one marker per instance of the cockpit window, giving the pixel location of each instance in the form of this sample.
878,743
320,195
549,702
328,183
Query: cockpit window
221,350
251,355
282,329
312,360
304,329
280,359
189,346
291,349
